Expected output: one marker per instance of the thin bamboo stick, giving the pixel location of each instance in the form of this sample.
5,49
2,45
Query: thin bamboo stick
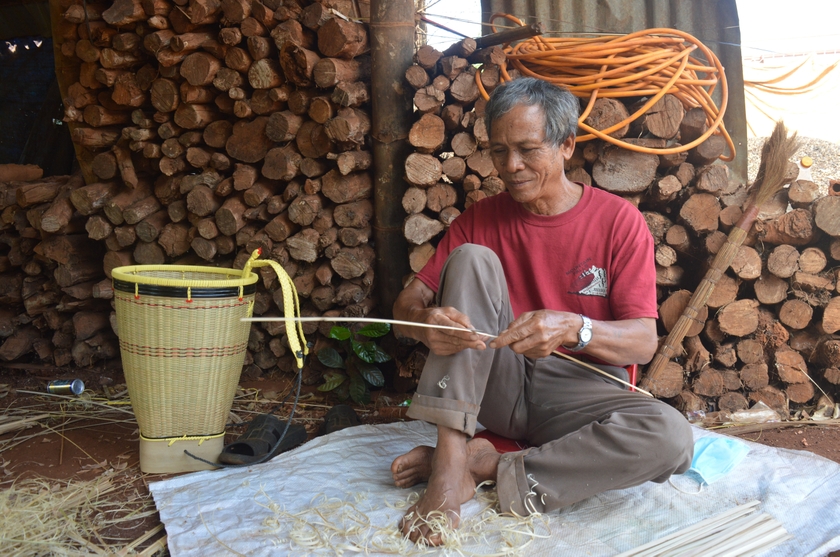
769,530
78,400
734,533
364,320
702,527
21,424
446,327
154,548
727,536
142,539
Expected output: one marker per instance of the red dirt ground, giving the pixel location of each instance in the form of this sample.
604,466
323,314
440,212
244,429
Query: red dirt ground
90,448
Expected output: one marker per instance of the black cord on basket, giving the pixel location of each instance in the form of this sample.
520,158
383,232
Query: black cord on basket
267,455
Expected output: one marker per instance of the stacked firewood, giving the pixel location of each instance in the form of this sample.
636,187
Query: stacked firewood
54,298
451,167
767,330
215,128
767,333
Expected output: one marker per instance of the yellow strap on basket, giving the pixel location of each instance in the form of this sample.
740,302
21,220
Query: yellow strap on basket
291,304
172,440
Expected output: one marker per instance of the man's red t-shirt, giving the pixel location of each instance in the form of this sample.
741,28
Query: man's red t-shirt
595,259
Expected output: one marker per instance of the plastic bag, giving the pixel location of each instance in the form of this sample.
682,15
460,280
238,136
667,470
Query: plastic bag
760,413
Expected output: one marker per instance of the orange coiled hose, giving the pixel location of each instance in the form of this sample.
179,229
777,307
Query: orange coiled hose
649,63
770,85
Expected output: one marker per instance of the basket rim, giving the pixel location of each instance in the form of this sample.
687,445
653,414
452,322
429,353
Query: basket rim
128,273
188,293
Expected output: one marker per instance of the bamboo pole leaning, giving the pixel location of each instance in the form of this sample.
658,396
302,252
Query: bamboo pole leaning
778,149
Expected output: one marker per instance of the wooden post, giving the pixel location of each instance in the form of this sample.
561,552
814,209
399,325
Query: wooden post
392,46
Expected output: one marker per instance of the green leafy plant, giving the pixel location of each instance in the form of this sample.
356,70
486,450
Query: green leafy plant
351,373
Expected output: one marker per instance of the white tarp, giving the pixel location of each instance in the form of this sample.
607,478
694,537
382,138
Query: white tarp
336,492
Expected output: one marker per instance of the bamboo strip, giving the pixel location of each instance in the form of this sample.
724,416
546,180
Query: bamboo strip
767,530
647,549
429,326
364,320
727,536
21,424
733,533
154,548
78,400
142,539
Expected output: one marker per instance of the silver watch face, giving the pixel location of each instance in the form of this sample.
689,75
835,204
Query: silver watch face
585,335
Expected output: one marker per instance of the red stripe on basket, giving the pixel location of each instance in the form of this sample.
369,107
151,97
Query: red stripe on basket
163,352
142,302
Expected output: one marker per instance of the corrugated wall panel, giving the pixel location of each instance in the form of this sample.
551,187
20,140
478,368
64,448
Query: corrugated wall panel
714,23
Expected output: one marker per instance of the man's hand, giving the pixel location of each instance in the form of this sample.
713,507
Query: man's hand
536,334
413,305
445,342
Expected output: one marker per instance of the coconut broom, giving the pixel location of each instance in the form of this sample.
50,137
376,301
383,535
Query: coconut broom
775,153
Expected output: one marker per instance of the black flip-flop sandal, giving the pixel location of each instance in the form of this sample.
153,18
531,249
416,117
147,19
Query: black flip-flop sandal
339,417
260,437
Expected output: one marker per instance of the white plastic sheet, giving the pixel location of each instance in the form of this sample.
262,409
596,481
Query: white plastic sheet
246,510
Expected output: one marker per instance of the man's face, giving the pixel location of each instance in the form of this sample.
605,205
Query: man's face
531,168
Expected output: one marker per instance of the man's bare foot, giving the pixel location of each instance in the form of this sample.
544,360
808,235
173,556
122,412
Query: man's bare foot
452,481
415,466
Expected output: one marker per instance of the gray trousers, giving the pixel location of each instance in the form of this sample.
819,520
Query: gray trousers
588,434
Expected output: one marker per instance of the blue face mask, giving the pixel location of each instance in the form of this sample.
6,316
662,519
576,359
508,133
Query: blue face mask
714,457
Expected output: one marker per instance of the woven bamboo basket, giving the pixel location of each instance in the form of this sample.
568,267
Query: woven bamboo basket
183,343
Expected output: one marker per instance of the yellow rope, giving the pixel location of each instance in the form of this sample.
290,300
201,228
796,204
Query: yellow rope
172,440
291,304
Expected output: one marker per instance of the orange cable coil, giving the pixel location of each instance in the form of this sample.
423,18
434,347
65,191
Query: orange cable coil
649,63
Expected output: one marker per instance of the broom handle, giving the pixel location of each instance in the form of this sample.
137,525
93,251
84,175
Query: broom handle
701,295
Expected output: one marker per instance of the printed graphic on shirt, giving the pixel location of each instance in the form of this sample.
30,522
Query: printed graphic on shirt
591,282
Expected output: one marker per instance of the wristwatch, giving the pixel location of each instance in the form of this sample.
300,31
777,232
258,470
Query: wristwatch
584,334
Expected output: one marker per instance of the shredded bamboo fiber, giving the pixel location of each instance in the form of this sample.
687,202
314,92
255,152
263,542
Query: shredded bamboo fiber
53,414
47,517
341,526
778,149
649,63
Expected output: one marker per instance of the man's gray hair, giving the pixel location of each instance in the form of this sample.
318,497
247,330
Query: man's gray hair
560,107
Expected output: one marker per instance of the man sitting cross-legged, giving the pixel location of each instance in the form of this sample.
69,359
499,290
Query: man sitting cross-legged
547,265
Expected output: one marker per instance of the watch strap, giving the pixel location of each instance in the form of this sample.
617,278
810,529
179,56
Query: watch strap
587,325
